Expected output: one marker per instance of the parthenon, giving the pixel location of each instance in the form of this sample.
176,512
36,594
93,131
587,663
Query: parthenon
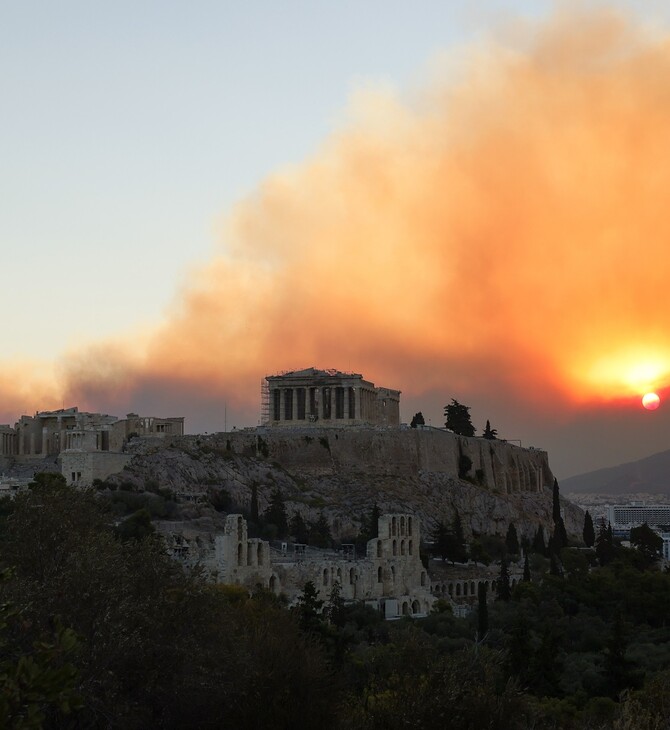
311,396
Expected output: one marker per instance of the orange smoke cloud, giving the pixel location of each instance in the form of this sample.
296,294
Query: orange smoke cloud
505,230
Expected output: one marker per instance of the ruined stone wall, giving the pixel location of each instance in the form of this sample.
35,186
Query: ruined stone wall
80,468
390,576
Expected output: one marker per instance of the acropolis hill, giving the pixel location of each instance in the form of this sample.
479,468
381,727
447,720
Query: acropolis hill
343,471
331,441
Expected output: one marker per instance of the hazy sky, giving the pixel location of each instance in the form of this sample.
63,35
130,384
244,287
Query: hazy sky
455,201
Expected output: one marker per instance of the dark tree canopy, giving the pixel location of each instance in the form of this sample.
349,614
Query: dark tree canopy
417,420
458,418
604,543
648,542
449,542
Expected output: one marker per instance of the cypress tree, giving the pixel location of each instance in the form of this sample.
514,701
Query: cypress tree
482,612
539,545
502,586
560,537
460,548
588,533
526,569
275,514
556,508
511,540
253,510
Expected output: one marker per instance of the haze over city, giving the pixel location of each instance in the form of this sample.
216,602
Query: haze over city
459,204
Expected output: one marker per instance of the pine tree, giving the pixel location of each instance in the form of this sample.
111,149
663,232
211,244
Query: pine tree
526,569
319,533
482,612
588,533
511,540
556,507
308,607
458,419
503,588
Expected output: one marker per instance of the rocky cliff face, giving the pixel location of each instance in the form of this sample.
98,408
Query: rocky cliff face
343,472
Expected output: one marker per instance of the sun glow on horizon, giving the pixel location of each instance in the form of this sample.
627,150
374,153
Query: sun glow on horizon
628,374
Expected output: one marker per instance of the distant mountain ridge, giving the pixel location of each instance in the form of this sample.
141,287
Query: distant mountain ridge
650,475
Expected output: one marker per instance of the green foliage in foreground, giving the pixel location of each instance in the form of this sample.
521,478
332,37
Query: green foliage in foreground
100,629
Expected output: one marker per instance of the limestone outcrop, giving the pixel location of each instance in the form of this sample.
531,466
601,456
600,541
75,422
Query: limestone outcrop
343,472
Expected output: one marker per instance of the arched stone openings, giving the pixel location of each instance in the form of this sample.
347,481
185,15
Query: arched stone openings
402,547
395,547
352,576
379,548
393,574
240,554
379,575
402,525
409,547
339,576
451,589
259,554
472,588
405,608
458,589
416,607
250,554
325,576
394,526
409,526
272,585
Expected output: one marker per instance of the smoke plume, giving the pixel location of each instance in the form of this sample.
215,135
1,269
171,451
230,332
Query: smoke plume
502,231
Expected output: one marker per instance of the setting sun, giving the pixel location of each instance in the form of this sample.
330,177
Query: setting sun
651,401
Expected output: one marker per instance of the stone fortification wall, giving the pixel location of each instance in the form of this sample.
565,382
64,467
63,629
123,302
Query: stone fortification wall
403,453
80,468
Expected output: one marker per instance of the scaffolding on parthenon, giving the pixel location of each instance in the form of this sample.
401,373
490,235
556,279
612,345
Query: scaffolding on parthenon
265,402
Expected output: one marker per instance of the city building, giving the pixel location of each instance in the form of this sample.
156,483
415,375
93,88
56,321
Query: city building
637,513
